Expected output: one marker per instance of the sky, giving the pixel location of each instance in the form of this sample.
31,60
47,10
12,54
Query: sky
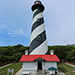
16,22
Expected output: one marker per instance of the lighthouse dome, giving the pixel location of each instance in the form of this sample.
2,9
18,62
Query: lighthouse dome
38,4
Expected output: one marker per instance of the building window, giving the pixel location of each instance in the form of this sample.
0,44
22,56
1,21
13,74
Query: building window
38,20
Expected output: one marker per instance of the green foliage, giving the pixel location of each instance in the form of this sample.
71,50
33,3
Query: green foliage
14,53
64,52
71,55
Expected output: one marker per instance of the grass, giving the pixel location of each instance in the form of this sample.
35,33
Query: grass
68,70
16,66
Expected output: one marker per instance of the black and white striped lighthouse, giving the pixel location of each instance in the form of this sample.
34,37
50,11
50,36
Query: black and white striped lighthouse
38,41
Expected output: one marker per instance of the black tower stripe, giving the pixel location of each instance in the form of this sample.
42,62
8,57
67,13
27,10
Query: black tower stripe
37,12
35,43
36,24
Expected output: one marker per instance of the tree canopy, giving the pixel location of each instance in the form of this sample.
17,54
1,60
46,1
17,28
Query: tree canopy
14,53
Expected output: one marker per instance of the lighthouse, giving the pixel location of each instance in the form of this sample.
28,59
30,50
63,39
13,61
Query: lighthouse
38,62
38,41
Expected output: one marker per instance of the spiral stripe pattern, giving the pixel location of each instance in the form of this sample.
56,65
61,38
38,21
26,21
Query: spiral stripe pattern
38,42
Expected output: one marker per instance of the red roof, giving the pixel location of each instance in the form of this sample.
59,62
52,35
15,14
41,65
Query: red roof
28,58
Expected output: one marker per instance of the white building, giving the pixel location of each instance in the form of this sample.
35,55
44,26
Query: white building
34,63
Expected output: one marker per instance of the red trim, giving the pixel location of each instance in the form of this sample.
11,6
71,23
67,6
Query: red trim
28,58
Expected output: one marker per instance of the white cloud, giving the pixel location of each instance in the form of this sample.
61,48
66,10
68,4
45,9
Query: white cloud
4,28
15,42
3,25
18,32
13,31
1,43
1,32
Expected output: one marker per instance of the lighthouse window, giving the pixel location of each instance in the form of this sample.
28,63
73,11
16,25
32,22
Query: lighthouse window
38,20
38,38
37,2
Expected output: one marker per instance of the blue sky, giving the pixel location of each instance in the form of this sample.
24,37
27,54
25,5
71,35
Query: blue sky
16,21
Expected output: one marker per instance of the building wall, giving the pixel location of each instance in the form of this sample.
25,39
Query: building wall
47,65
29,65
33,65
